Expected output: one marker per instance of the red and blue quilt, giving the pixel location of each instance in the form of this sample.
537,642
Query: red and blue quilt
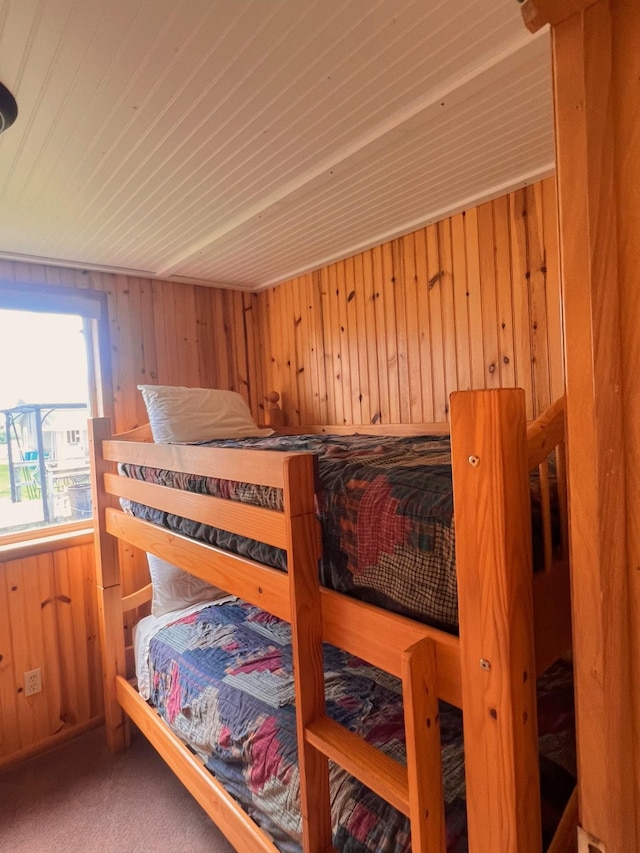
222,679
386,509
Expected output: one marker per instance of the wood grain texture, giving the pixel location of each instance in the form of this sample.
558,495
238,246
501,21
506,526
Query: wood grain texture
424,752
160,333
387,636
586,105
218,804
493,556
109,589
48,620
468,303
537,13
238,576
378,771
106,550
265,467
626,73
265,525
565,840
303,553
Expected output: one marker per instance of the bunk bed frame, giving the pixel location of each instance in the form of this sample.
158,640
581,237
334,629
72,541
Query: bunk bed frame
510,628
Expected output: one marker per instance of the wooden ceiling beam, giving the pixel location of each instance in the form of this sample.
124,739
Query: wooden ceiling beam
538,13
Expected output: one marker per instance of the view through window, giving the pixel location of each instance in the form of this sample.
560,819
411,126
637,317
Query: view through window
44,406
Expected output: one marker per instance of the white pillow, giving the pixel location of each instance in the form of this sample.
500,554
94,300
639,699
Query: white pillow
179,414
173,588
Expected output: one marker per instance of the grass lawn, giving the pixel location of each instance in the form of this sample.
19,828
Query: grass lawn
5,488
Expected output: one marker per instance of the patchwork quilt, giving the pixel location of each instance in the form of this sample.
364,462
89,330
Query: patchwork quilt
386,509
222,680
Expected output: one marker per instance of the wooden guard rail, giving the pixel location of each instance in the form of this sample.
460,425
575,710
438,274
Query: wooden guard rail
544,436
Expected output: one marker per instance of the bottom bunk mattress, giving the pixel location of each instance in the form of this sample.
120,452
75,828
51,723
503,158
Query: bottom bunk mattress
221,677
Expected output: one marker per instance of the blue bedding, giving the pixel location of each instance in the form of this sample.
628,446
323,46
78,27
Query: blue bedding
222,680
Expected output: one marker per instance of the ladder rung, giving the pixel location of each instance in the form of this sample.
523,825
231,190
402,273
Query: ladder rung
372,767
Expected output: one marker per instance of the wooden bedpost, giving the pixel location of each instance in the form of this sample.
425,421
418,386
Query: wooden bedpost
306,629
273,414
494,569
108,590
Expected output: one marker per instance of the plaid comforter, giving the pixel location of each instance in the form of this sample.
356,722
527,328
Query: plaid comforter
386,508
222,679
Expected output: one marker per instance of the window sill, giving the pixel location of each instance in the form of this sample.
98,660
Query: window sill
44,541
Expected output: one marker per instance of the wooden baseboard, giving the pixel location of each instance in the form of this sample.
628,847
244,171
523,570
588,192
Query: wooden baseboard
9,761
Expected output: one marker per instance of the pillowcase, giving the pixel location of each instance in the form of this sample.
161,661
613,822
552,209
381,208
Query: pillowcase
179,414
173,588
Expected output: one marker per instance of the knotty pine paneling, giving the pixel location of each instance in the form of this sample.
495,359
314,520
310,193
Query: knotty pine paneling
161,333
385,337
48,620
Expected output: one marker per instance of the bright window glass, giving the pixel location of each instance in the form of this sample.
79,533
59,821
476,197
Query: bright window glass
44,405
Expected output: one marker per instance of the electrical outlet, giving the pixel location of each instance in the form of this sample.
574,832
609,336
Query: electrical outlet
32,682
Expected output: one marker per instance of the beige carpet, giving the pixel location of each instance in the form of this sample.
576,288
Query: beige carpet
79,797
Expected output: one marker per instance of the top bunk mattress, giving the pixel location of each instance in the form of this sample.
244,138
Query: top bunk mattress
386,510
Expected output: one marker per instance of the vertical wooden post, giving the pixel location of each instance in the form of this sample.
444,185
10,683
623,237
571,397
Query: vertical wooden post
588,110
626,74
424,750
596,66
494,568
303,552
108,590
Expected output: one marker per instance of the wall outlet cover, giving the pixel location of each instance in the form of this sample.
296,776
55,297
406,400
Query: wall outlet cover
32,682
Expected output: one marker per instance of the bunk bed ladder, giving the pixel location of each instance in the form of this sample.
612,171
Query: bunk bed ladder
411,790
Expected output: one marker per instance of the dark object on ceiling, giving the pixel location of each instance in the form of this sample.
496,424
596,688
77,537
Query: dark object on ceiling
8,108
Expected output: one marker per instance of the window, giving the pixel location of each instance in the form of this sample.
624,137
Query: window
73,436
50,384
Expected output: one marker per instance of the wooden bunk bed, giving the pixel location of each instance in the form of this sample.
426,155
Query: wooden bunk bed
511,629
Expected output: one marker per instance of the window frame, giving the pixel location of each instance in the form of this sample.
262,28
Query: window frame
92,306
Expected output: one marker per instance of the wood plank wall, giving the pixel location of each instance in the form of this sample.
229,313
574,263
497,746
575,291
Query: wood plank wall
385,336
161,333
48,621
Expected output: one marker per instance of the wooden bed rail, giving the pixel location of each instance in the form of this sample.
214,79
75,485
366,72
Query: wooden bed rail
141,433
545,433
137,599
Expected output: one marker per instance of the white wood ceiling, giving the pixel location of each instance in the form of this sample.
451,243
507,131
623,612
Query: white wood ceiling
241,142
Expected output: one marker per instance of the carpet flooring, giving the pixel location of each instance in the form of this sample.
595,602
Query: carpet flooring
80,797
